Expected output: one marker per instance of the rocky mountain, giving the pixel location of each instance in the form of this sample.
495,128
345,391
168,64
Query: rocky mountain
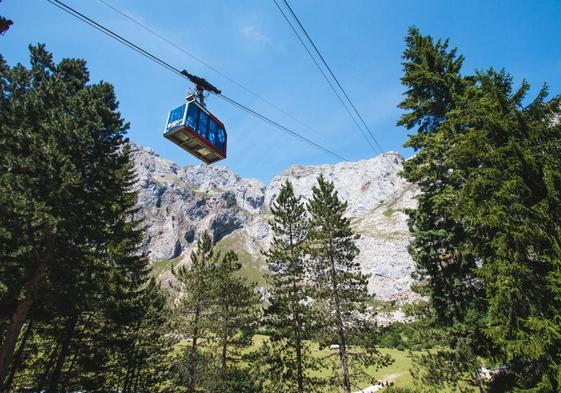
179,203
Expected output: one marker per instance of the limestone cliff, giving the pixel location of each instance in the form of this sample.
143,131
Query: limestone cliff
178,203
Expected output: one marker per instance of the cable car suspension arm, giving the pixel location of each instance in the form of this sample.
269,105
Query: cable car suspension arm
201,85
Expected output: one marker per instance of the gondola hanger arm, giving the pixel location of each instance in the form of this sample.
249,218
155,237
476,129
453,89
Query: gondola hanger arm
201,83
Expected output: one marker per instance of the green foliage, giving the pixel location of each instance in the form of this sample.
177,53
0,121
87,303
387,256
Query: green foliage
339,285
441,370
219,313
340,289
235,316
487,226
193,313
192,371
273,367
289,320
70,272
393,336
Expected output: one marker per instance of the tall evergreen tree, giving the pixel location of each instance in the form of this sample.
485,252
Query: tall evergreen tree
432,77
68,240
61,142
288,316
219,313
145,359
234,319
340,287
195,307
486,228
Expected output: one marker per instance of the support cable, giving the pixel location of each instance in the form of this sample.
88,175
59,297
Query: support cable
210,66
180,73
329,70
324,75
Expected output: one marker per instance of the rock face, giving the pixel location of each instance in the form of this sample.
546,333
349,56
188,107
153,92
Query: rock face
178,203
363,184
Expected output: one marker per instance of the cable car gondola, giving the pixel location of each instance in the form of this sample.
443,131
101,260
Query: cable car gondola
193,128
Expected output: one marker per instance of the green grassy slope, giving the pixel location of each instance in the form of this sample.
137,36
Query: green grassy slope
252,267
398,371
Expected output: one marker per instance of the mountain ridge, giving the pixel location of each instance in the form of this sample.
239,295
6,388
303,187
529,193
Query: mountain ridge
177,203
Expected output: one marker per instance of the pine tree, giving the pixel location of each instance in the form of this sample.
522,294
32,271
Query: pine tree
61,143
433,81
288,316
340,287
219,313
485,226
195,306
148,369
234,319
68,239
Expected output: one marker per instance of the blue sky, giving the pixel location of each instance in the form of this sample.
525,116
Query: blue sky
362,40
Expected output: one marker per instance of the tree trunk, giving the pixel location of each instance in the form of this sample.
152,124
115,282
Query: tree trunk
18,318
131,368
191,375
298,339
299,371
343,357
43,380
76,354
69,329
69,372
17,357
223,360
297,325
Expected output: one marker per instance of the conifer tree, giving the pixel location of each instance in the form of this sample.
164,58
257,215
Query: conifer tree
340,287
234,319
434,85
68,240
484,228
219,313
62,150
147,369
195,306
288,316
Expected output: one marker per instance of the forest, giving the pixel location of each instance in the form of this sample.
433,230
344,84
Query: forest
80,310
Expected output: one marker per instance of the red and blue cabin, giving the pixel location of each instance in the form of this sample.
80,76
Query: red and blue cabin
197,131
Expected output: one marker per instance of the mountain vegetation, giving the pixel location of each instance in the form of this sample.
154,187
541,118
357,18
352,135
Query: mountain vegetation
487,226
218,312
77,307
81,309
289,316
339,286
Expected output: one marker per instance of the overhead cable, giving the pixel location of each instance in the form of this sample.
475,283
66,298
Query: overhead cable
210,66
324,75
175,70
309,39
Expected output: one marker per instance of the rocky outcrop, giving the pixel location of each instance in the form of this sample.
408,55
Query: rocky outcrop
178,203
376,197
364,184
